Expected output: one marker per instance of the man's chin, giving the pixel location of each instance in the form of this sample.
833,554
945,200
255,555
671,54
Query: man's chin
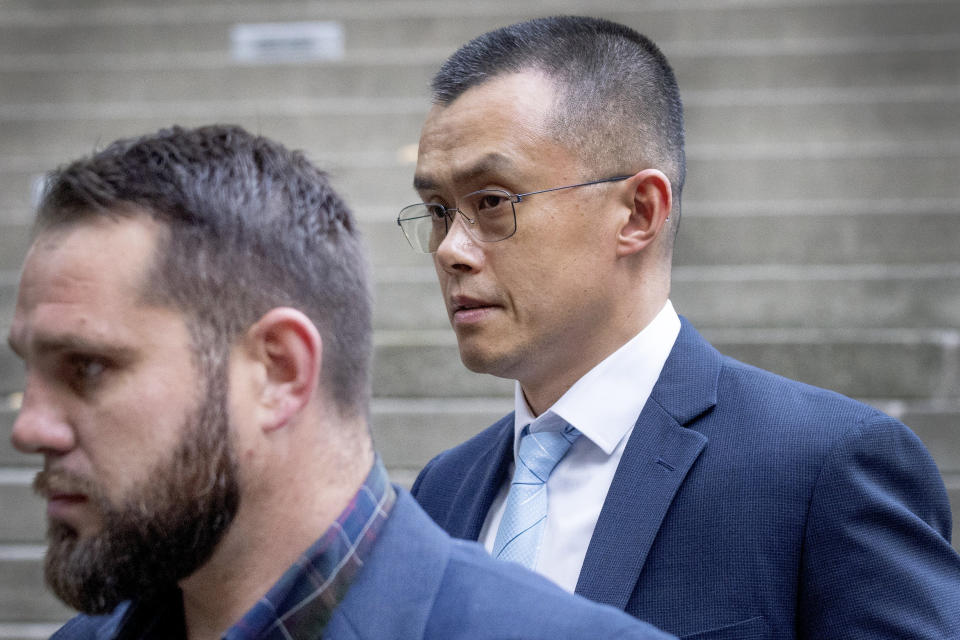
137,553
95,573
481,360
75,572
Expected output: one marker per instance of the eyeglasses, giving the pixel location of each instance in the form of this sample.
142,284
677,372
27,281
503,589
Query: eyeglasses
489,214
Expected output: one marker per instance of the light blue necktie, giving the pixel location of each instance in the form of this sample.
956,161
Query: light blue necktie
524,517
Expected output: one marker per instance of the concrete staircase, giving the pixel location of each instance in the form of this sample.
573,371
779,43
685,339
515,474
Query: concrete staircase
821,236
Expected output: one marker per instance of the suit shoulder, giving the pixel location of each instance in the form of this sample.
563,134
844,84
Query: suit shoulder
779,403
796,432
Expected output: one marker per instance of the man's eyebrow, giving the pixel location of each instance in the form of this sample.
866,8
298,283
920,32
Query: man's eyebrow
491,163
422,183
67,343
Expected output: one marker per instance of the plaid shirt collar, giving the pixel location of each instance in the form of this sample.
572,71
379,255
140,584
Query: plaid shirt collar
301,603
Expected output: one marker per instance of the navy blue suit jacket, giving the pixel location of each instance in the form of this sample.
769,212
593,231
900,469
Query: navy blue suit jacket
419,583
748,506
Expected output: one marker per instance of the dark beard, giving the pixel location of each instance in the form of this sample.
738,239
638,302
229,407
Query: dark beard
166,527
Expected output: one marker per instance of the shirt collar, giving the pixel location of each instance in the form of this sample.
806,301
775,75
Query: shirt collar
605,403
301,603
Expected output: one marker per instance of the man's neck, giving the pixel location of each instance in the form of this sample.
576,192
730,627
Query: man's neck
270,532
542,392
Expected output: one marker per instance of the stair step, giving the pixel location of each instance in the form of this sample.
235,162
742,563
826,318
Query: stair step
853,362
778,232
12,460
374,184
743,296
24,513
726,179
819,297
409,431
938,425
23,596
334,125
408,73
14,241
127,28
334,132
892,231
857,363
24,524
25,600
775,232
28,630
740,296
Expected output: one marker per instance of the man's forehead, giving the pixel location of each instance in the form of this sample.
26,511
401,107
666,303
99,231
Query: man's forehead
77,276
111,250
487,164
500,128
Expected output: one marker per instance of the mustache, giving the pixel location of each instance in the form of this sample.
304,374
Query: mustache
57,481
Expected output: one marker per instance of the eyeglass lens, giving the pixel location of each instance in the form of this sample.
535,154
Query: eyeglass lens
488,216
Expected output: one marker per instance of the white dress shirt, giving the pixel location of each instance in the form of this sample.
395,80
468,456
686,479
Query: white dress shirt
604,406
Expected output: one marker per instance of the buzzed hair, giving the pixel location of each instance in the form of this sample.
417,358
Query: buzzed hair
619,101
252,226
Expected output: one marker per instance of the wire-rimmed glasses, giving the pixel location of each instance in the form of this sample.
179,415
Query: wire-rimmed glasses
489,215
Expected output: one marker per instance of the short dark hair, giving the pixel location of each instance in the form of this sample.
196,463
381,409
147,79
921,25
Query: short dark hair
619,98
252,226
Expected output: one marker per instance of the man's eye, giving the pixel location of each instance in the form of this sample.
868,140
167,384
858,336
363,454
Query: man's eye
490,201
438,211
85,372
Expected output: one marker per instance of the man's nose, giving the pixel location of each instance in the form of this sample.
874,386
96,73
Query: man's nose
41,425
459,251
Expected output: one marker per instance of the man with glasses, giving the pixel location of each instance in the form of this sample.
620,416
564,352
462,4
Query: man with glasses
640,467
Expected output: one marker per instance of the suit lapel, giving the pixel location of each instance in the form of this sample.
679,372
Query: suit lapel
487,472
657,458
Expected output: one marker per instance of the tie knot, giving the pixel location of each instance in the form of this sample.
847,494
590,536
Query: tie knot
540,451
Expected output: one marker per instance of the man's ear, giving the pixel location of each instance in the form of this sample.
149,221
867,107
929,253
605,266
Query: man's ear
651,199
288,350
